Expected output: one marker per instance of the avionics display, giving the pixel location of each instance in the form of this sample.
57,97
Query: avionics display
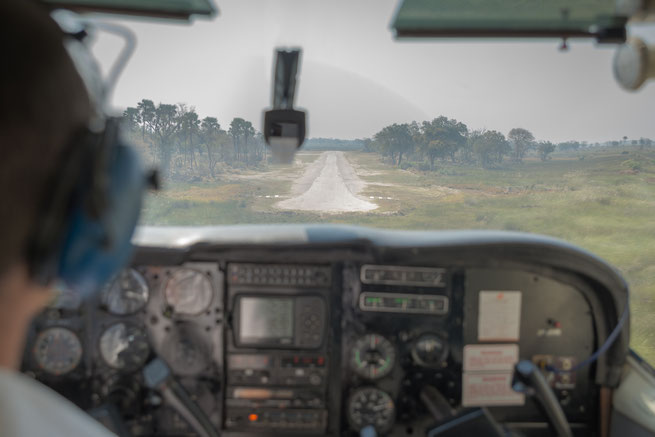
279,321
264,319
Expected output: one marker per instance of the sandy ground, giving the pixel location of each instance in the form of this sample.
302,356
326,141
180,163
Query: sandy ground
329,185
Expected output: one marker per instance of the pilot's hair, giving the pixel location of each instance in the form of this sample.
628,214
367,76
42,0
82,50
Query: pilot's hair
43,101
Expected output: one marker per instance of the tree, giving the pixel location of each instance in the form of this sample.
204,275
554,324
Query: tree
440,138
131,119
435,149
568,145
259,147
489,147
247,132
368,145
501,146
189,128
522,140
236,131
481,149
165,125
414,130
213,137
466,151
180,141
395,141
242,131
545,148
146,110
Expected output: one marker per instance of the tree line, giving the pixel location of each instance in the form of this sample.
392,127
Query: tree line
447,139
182,144
451,140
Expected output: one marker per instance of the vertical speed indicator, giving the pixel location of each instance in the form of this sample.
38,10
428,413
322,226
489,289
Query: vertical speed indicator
373,356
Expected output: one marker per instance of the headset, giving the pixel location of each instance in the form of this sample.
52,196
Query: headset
91,208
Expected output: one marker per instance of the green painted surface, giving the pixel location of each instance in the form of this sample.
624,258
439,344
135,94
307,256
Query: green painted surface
156,7
578,16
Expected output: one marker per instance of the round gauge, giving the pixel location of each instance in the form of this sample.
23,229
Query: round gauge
186,356
124,346
430,350
126,294
57,350
65,298
188,291
373,356
371,406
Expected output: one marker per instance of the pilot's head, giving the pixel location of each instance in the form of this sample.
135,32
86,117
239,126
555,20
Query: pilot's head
43,101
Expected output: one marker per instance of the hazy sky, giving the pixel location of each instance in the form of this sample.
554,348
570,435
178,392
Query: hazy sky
355,78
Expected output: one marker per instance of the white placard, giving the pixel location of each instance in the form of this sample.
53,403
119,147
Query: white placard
499,316
489,389
490,357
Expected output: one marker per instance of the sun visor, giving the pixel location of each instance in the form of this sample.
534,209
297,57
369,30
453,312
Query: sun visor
510,19
176,9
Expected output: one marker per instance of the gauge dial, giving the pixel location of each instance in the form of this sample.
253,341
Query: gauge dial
373,356
124,346
371,406
188,291
430,350
57,350
185,355
65,298
126,294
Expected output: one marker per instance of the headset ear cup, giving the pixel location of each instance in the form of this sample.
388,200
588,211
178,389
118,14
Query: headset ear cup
96,248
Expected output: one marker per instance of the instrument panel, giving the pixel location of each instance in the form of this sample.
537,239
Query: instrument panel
319,348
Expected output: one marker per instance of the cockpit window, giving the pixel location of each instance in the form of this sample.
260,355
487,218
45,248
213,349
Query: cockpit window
404,134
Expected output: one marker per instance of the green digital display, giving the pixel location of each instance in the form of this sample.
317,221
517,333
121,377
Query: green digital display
403,303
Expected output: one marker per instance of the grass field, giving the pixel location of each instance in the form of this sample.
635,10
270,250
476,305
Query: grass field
597,202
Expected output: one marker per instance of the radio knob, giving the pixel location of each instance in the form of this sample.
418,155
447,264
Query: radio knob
264,378
315,379
315,402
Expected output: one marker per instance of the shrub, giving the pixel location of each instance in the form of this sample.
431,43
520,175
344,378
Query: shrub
631,164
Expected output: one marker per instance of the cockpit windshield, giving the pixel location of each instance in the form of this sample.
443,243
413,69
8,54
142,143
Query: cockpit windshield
405,134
